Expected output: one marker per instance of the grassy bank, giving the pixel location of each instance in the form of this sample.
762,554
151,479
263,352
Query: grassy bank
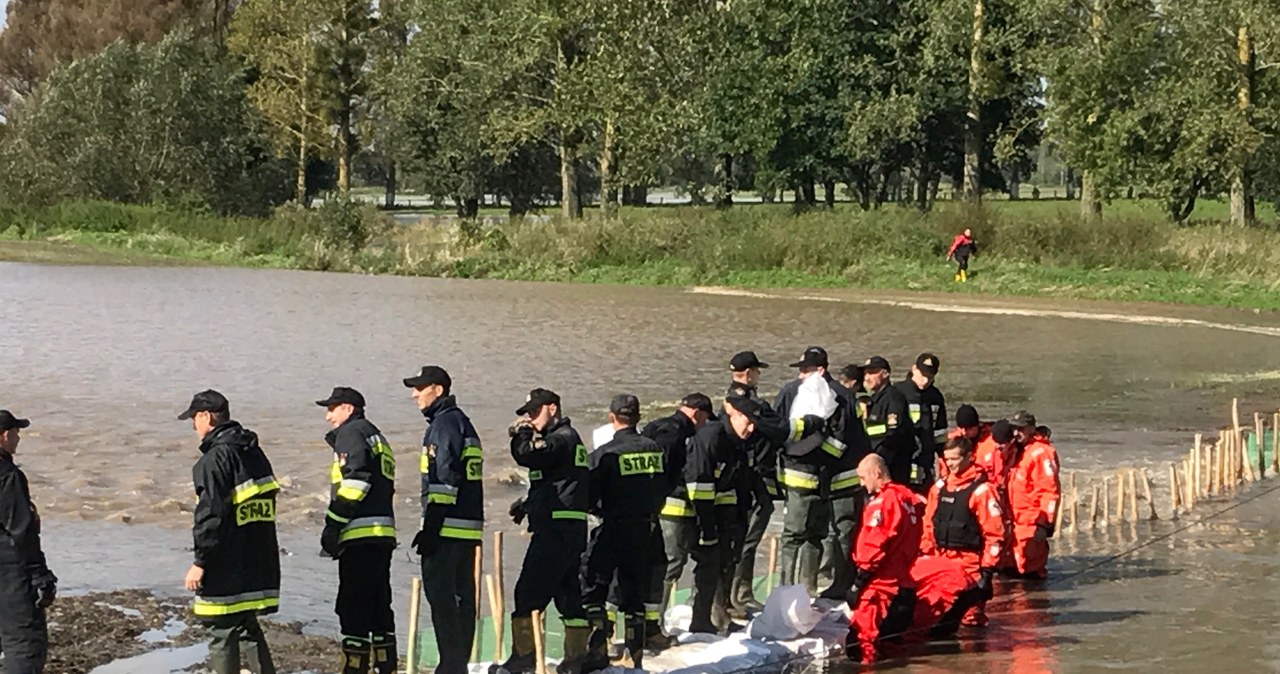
1134,255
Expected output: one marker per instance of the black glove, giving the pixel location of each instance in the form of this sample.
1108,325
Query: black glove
46,591
426,543
329,545
521,427
860,581
517,510
985,577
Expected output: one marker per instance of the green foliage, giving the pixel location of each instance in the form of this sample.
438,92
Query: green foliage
141,124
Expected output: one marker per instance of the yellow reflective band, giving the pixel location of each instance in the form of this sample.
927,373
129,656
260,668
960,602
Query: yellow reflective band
256,510
575,622
676,507
353,490
442,499
250,601
424,463
652,615
640,463
799,480
247,490
472,452
915,472
336,517
335,472
470,530
569,515
845,480
877,429
833,447
797,429
372,531
701,491
730,498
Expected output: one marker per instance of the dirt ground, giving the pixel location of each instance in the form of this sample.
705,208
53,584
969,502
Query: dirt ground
88,631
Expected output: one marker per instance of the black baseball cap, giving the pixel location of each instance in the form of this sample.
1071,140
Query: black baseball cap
967,416
1002,431
430,375
1023,419
342,395
851,371
540,397
814,356
625,404
747,406
744,361
205,401
876,364
8,421
697,401
928,364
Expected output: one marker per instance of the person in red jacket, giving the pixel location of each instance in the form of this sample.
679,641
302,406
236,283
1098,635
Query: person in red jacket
961,248
1034,491
884,594
963,520
968,425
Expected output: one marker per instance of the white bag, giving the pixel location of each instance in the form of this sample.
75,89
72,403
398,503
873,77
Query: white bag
787,614
815,398
601,435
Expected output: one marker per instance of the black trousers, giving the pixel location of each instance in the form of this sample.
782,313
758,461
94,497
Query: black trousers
732,521
846,520
962,263
551,572
680,537
364,591
24,637
629,548
449,583
757,524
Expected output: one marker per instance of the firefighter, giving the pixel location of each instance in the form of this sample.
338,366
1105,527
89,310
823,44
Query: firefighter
452,468
545,442
628,488
672,433
236,573
27,586
888,420
761,476
928,410
819,474
964,521
360,532
883,596
1034,491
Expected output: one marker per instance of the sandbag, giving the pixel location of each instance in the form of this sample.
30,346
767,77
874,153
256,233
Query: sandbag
787,614
814,398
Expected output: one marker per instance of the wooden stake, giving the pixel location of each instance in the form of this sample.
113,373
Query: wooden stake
1174,492
1188,469
415,605
1106,501
1133,493
496,612
477,568
1057,513
1120,496
539,651
773,566
1195,465
1235,414
1093,508
1075,504
1275,444
499,592
1260,434
1146,493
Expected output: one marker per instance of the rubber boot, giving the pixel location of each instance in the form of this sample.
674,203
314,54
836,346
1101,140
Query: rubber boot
703,599
356,655
615,639
596,656
807,569
655,639
743,596
633,643
720,609
576,641
964,277
522,655
957,277
786,566
386,659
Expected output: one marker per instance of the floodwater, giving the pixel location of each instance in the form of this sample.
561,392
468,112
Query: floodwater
103,358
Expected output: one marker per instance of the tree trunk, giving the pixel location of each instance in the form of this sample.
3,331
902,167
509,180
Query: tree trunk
922,187
724,171
1070,181
344,150
301,185
1242,212
570,207
468,207
1090,200
829,193
973,121
635,195
389,195
608,171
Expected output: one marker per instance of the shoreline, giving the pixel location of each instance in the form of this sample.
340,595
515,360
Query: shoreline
1000,281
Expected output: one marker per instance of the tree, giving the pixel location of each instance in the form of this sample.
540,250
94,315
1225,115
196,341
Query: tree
143,124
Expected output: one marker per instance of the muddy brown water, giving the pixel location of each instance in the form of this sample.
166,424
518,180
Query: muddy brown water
102,359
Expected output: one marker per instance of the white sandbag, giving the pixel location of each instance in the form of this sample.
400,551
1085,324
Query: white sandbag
601,435
814,398
787,614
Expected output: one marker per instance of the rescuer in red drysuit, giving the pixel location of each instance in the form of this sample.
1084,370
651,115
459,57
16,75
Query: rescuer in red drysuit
1034,492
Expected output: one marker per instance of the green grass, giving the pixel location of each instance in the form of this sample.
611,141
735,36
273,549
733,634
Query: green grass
1028,248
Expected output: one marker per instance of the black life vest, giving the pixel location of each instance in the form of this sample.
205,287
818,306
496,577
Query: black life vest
955,527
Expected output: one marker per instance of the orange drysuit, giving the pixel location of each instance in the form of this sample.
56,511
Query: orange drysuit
887,545
964,521
1034,491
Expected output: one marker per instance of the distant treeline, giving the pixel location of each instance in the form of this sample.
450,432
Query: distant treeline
236,106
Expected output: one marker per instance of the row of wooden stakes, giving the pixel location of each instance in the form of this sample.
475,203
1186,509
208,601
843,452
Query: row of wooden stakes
1209,470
